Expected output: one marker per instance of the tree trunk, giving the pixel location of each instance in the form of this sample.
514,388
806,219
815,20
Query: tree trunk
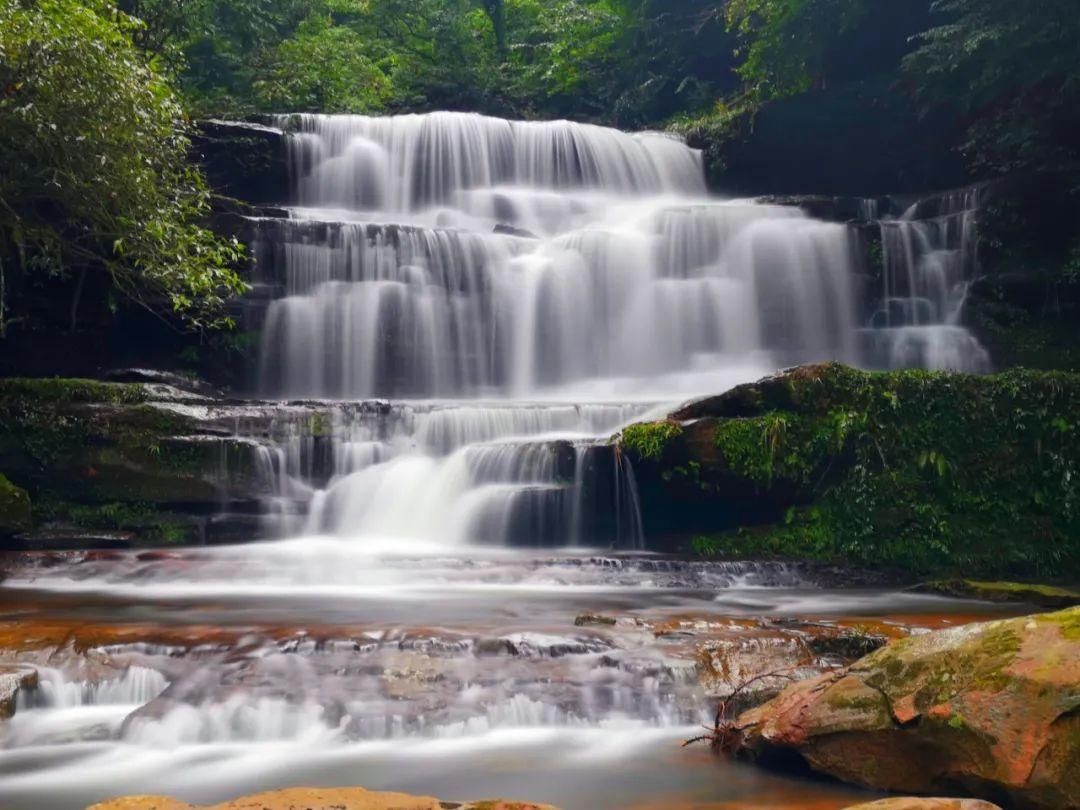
496,10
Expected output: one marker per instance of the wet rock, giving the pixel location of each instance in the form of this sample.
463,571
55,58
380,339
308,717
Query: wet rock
121,463
927,804
12,682
986,709
542,645
1047,596
746,669
593,619
244,160
179,383
510,230
64,537
843,643
317,799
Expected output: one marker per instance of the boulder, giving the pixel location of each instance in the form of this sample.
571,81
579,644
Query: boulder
991,710
316,799
12,682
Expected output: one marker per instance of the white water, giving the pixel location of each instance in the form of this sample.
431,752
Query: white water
614,265
930,258
512,280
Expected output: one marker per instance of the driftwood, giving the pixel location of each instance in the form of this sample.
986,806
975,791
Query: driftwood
723,736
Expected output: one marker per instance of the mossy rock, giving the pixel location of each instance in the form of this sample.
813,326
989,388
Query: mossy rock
317,799
935,474
926,804
54,391
1046,596
649,441
15,512
990,707
95,455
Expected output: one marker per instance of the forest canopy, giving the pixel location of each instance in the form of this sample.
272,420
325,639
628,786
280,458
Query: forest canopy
96,98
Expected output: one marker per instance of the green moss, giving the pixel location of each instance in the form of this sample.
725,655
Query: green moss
320,424
144,519
1067,620
933,677
859,702
60,391
15,513
786,446
648,440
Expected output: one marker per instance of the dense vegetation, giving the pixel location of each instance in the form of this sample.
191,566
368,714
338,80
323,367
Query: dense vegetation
927,472
96,176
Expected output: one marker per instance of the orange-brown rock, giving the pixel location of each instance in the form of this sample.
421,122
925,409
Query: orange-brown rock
316,799
990,710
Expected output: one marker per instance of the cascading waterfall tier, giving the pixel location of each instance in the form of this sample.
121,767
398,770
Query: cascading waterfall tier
929,260
455,472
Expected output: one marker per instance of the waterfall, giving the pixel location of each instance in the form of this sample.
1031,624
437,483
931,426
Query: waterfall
929,260
521,290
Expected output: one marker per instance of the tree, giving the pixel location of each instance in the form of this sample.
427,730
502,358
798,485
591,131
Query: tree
785,42
496,11
1012,72
325,68
94,146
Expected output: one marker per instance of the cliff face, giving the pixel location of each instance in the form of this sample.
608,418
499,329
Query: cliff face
922,471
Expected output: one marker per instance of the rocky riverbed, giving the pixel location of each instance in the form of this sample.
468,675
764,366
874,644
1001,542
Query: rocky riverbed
213,672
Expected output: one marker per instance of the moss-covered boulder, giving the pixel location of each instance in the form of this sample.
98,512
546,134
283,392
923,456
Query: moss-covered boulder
990,710
926,472
14,507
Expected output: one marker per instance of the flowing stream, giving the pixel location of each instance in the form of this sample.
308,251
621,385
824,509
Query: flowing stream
486,302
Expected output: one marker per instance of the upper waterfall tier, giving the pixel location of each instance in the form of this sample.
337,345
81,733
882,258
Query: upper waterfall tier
452,254
408,162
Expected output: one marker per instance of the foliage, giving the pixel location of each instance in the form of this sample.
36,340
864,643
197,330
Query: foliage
648,440
94,147
323,68
785,42
705,546
1011,69
499,56
15,512
919,470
